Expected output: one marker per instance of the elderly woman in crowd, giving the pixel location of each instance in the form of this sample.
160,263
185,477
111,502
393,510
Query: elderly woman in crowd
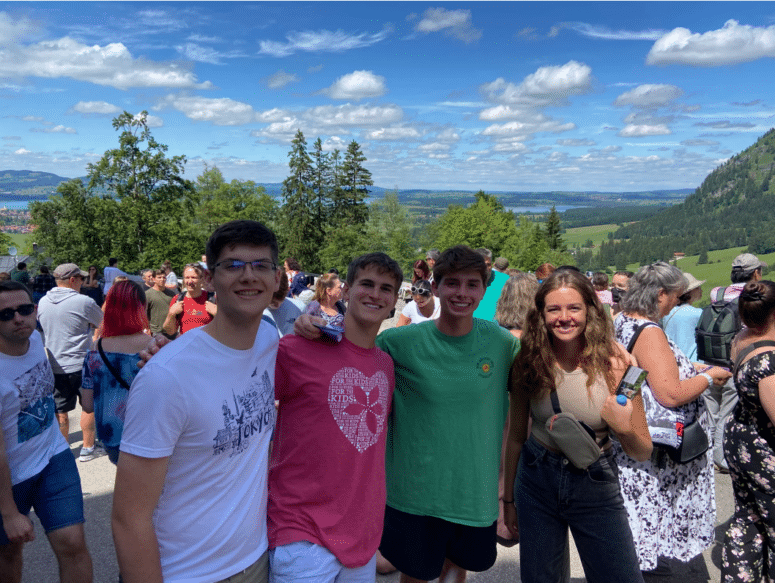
517,296
670,503
327,304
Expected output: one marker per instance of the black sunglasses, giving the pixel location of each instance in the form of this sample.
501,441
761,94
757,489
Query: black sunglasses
421,291
24,310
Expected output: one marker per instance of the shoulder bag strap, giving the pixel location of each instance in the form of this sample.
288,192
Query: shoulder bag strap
556,406
111,368
636,333
748,350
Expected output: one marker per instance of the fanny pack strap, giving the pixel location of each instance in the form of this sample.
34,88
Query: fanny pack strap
556,407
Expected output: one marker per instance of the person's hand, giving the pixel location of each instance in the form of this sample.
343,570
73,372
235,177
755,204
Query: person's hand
176,308
719,375
156,344
211,308
510,519
618,417
304,326
18,528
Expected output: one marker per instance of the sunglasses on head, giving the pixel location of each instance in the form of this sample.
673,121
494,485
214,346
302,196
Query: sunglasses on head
421,291
7,314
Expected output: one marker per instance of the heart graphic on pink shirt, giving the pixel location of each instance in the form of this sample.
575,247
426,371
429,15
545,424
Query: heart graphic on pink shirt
359,405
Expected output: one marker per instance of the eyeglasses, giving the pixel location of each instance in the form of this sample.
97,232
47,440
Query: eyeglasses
8,314
420,291
259,265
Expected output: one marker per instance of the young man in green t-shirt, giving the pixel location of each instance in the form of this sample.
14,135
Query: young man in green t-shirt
445,430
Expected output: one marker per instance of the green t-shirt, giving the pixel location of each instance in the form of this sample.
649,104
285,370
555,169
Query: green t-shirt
486,308
446,427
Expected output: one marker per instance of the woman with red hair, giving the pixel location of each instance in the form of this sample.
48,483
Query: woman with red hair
420,271
108,371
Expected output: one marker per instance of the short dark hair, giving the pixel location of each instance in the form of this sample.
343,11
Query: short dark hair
10,285
383,262
43,269
740,276
293,265
157,272
282,291
112,261
22,265
459,258
236,233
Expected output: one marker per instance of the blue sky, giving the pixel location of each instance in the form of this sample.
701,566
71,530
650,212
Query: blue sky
609,96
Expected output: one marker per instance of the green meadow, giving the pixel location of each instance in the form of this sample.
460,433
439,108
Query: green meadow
596,233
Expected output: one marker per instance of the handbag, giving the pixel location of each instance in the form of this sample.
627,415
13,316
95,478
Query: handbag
575,439
680,441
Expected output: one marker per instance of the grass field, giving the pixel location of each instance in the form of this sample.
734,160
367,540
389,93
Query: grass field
580,235
20,240
716,271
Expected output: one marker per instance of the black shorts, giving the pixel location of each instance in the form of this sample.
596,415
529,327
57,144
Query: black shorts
418,545
67,389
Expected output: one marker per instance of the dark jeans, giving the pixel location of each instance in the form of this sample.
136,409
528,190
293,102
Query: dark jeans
553,495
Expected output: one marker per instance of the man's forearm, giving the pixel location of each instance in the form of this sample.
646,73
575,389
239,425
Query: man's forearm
137,549
170,325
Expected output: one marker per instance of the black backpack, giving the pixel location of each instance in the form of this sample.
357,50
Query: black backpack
718,325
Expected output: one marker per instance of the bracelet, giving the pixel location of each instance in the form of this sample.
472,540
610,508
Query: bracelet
508,501
707,376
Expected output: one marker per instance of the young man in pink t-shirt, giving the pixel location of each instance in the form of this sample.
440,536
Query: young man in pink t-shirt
327,468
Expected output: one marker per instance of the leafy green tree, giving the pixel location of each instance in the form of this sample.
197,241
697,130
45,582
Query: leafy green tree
485,223
389,230
150,191
302,234
341,246
216,202
5,241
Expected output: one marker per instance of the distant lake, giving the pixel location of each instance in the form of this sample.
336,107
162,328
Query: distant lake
539,209
24,204
15,204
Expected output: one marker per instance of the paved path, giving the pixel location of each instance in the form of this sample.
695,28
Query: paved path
98,476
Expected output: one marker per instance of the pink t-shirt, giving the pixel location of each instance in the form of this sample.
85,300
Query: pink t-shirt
605,296
327,468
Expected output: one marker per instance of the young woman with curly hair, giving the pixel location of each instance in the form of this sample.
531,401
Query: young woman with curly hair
567,347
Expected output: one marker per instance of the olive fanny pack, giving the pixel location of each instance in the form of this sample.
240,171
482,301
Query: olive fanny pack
574,438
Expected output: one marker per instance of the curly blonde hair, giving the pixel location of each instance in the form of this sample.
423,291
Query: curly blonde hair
533,371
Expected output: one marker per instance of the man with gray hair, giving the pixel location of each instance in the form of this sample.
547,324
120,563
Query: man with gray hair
68,318
721,400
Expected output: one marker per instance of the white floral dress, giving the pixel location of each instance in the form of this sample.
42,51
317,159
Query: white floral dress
671,509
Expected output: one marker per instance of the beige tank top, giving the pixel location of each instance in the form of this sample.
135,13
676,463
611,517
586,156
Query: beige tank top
574,398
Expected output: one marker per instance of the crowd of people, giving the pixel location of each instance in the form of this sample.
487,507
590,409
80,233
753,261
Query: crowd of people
267,427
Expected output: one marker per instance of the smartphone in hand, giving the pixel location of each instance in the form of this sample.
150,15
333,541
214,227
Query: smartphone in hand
632,381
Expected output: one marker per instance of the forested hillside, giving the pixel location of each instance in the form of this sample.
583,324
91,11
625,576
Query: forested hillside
733,207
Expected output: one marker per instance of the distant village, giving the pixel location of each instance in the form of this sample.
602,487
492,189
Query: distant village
15,220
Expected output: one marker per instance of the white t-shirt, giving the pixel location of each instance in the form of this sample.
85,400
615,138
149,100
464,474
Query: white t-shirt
210,408
171,279
32,436
412,312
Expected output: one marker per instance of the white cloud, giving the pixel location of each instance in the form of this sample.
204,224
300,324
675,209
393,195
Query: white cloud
323,41
218,111
110,65
454,23
734,43
153,121
60,129
22,151
280,79
448,135
96,108
13,31
197,52
36,118
575,142
605,33
357,85
649,96
393,134
639,131
547,86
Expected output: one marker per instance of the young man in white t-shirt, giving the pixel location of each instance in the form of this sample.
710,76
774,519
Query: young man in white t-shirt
191,494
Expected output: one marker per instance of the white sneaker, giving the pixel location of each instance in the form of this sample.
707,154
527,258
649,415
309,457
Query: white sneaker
89,453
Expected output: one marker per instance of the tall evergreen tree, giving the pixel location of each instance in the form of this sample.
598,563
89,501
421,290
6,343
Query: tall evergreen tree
301,233
349,206
552,227
322,181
